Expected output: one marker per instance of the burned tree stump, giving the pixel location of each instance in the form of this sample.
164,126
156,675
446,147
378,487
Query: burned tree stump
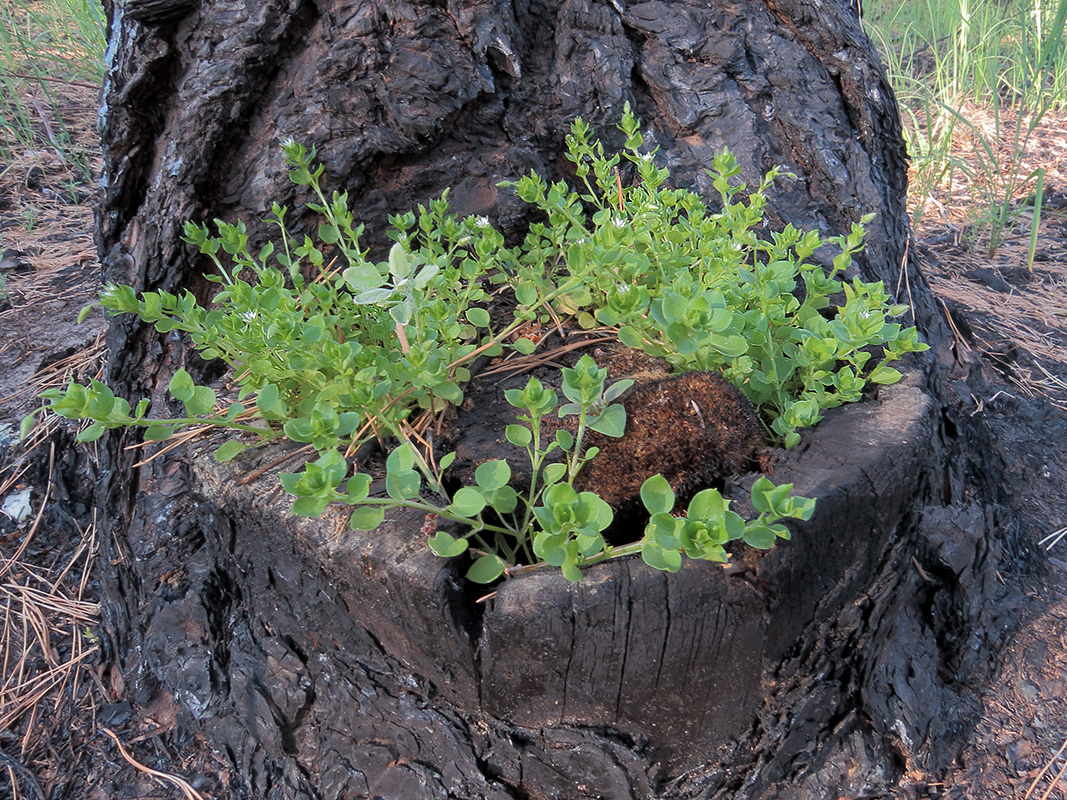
332,664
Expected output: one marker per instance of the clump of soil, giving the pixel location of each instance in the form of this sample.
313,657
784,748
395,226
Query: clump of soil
694,429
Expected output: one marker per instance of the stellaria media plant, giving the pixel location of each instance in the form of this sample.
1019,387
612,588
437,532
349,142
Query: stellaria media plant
366,351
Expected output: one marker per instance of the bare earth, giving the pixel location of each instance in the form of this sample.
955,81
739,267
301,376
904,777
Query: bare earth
59,711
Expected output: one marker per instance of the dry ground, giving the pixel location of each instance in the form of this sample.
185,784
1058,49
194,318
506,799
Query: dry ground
62,719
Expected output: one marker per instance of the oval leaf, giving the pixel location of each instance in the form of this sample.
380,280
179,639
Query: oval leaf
657,495
181,386
486,569
524,346
478,317
229,451
492,475
612,422
447,546
518,435
467,502
92,433
202,403
366,518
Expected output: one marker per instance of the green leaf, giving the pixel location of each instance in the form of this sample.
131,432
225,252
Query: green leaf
467,502
759,536
27,425
486,569
401,264
707,504
884,375
553,473
366,518
524,346
402,459
92,433
657,495
182,386
762,491
616,389
403,485
658,558
202,402
503,500
309,506
402,311
492,475
363,277
158,433
372,297
449,391
447,546
611,422
478,317
229,451
266,401
571,572
630,337
358,487
518,435
663,529
526,294
290,481
603,513
446,461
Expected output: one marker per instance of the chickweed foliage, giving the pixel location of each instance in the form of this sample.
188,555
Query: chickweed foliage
360,349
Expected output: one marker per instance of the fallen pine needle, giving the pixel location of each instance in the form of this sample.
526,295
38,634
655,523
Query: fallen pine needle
1044,771
163,777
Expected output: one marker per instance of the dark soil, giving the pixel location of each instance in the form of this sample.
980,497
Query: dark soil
1012,338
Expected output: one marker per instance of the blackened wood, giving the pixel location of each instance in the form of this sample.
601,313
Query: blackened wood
329,664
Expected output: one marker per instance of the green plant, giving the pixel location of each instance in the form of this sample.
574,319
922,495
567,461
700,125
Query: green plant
995,174
550,521
336,356
702,290
947,59
29,215
42,46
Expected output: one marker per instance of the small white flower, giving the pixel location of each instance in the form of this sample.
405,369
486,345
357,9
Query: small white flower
646,157
618,222
248,316
481,222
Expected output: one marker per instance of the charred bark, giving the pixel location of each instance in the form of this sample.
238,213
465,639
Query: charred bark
334,665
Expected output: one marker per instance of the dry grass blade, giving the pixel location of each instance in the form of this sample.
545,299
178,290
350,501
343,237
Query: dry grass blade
162,777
